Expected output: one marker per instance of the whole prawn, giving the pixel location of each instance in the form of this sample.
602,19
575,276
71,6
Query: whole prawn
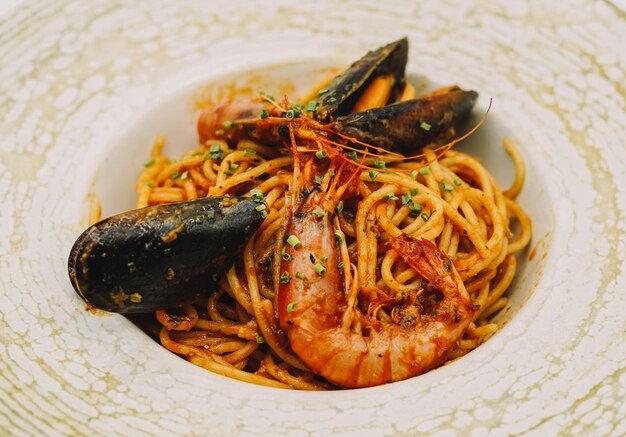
318,297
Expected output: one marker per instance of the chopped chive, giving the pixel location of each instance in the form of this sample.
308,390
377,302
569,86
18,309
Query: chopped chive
416,209
297,109
331,100
228,124
312,258
322,91
406,199
339,236
220,132
228,172
175,175
319,269
300,275
149,163
249,152
184,176
216,151
424,216
425,126
318,212
379,163
425,170
414,191
311,105
321,154
340,207
318,180
446,187
331,172
353,156
260,339
264,114
457,181
373,174
151,184
257,195
201,152
285,278
234,165
324,258
294,241
391,196
285,256
414,174
262,210
340,265
290,114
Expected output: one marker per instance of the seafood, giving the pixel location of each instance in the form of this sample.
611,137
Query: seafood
397,125
321,315
344,91
317,305
160,256
405,126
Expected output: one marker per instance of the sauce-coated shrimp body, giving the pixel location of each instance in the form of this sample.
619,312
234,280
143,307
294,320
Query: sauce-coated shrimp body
326,327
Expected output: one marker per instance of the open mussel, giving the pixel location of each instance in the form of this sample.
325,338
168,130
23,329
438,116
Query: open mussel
160,256
345,90
370,103
403,127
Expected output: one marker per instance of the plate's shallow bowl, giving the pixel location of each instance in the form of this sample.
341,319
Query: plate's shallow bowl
88,87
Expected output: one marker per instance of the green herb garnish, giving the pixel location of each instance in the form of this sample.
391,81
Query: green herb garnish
319,269
339,236
339,207
391,196
257,195
379,163
446,187
294,241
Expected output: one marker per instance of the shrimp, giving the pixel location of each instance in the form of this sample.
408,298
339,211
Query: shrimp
319,309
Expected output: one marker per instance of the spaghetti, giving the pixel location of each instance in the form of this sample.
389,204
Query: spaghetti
452,201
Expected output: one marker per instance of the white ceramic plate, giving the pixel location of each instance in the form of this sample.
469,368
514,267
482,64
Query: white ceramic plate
85,86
